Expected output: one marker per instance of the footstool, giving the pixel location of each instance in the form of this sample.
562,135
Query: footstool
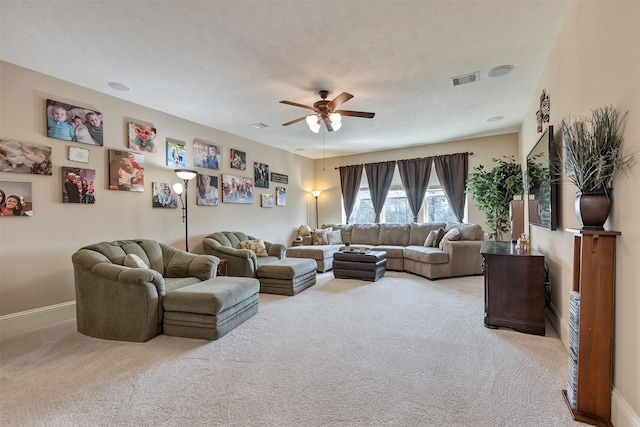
211,308
370,265
287,276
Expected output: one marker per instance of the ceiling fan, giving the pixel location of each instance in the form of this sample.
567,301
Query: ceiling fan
325,111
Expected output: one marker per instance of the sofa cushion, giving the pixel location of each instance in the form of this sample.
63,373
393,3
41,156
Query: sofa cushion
256,245
394,234
439,235
334,237
426,255
467,231
134,261
451,235
430,238
345,230
365,233
419,232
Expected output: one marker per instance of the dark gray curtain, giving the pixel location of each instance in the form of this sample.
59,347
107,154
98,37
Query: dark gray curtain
452,172
379,176
414,174
350,177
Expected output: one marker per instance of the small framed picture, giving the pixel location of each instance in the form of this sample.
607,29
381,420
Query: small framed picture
176,154
207,191
15,199
281,196
237,189
238,159
262,175
25,157
206,155
266,200
73,123
126,171
78,185
80,155
164,196
142,138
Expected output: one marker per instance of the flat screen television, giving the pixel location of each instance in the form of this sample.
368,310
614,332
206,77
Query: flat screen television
541,181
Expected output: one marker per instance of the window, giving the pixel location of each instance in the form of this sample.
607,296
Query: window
396,210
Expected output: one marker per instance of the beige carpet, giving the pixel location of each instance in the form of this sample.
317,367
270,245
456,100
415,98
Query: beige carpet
402,351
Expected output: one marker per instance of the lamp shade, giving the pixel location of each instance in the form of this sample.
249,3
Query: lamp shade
178,188
316,193
185,174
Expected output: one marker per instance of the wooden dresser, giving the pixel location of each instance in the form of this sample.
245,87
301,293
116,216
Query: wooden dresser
513,288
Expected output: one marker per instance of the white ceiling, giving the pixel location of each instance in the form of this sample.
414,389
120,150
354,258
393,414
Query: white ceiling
226,64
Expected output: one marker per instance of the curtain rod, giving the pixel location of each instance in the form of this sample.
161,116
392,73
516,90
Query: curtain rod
468,152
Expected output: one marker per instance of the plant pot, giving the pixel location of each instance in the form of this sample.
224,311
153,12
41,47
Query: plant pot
592,210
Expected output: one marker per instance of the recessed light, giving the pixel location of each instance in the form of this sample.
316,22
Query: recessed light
119,86
258,125
500,70
495,118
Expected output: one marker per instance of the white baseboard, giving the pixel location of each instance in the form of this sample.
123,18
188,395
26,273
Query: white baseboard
37,318
622,414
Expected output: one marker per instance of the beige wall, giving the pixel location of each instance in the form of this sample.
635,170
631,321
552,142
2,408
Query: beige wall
596,62
35,253
327,178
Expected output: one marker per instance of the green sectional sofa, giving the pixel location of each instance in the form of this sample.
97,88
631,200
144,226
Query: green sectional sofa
405,247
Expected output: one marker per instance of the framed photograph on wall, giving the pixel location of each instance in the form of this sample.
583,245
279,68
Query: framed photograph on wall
237,189
176,154
261,175
206,155
238,159
142,138
164,196
207,190
72,123
80,155
78,185
266,200
281,196
15,199
25,157
126,171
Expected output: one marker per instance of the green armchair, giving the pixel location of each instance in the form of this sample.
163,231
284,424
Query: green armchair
240,262
117,302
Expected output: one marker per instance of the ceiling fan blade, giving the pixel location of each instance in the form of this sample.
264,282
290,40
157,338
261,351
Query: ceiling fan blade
362,114
327,122
295,104
299,119
339,100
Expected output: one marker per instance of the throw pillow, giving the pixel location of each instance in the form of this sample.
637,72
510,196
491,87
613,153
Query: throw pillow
451,235
439,235
134,261
256,246
334,237
430,238
319,237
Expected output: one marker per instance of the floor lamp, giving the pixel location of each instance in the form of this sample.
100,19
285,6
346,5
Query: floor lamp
185,175
316,193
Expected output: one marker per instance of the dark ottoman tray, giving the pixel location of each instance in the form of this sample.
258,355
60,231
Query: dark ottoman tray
369,265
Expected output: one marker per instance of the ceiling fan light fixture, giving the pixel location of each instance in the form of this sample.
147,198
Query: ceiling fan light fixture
313,121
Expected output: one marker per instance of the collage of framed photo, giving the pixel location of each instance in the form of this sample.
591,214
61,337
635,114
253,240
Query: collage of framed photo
15,199
237,189
72,123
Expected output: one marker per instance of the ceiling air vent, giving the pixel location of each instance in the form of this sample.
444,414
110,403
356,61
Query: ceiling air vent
465,78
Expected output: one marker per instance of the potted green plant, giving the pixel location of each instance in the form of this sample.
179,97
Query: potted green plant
592,158
493,190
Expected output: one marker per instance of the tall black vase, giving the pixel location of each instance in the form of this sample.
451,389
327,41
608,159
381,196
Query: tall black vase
592,210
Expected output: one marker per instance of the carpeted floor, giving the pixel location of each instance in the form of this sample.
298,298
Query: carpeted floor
402,351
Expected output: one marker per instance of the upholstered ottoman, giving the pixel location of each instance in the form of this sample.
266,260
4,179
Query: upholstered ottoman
370,265
287,276
210,309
